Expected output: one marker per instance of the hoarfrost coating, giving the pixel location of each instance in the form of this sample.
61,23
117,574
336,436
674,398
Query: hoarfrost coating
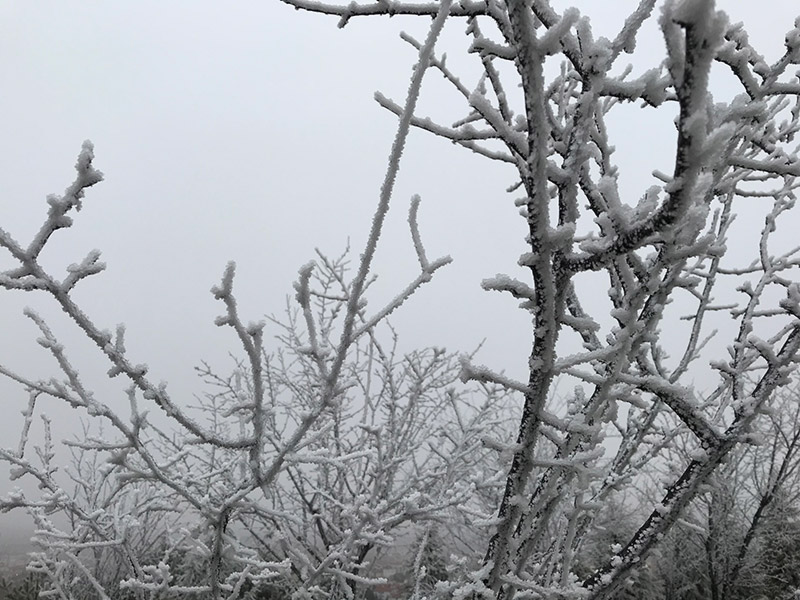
312,457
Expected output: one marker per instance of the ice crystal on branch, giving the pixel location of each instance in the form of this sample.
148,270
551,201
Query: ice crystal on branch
321,446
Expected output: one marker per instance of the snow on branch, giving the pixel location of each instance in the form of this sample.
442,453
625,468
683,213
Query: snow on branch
321,449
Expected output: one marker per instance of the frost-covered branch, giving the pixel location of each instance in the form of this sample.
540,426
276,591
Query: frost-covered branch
317,454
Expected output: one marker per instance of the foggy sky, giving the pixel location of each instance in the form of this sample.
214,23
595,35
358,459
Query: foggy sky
248,132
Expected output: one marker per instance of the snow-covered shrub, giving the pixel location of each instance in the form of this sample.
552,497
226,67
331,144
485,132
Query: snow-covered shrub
316,454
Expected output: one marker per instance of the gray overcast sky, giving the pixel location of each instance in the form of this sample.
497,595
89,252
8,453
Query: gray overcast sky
247,131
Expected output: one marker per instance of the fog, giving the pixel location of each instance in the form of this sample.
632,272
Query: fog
249,132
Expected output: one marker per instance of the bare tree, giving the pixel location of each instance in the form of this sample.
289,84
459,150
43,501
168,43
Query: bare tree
670,244
298,465
724,541
632,400
400,445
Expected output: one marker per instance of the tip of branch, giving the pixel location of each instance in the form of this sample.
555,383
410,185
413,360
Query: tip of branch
83,166
226,285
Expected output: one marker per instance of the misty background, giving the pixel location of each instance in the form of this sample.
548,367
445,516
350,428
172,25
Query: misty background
249,132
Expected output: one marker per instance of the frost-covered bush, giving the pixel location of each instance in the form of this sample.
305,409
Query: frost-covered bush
265,487
315,455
